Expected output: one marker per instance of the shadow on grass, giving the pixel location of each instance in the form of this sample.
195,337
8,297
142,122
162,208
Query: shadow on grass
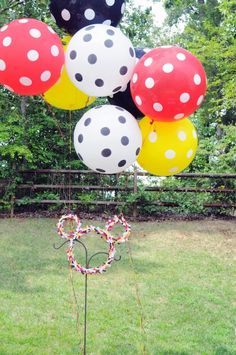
17,271
128,349
223,351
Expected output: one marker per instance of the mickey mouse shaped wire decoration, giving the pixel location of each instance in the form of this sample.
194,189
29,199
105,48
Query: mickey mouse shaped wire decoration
74,234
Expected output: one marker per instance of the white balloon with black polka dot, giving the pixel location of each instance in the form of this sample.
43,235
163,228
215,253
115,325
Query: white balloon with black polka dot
100,60
107,139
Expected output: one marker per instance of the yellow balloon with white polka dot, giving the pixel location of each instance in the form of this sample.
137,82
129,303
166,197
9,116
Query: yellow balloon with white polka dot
168,147
64,94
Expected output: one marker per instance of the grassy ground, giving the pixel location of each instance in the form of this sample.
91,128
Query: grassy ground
183,273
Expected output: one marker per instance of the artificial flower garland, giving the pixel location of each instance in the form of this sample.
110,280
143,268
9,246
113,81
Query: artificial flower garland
76,234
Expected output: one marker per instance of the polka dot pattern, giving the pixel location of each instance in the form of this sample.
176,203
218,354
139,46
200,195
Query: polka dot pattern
159,70
66,13
149,83
135,78
174,169
7,41
197,79
33,55
168,148
35,33
168,68
23,20
39,56
110,2
189,153
107,22
55,51
138,100
25,81
148,62
2,65
170,154
102,138
46,75
200,99
181,56
99,74
157,107
185,97
194,134
152,137
89,14
179,116
182,135
3,28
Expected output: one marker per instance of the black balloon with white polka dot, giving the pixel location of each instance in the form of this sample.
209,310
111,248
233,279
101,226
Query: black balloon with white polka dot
108,139
72,15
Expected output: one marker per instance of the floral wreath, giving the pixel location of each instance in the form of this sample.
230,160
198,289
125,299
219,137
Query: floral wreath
72,234
109,226
92,270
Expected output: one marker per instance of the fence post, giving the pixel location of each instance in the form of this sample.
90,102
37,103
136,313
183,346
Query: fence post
135,209
12,206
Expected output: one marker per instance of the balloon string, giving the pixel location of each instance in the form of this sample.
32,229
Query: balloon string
70,153
87,101
151,123
138,299
55,120
75,304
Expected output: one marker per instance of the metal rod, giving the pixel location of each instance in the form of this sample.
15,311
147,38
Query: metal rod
87,262
85,310
85,293
60,246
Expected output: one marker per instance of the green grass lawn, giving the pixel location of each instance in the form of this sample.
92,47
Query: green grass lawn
183,272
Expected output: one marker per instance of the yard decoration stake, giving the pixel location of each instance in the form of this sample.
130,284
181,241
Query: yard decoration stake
74,235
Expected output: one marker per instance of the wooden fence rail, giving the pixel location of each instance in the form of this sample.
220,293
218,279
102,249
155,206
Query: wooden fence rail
67,183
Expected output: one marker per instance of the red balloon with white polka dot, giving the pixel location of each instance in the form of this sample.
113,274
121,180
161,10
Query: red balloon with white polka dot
31,56
168,84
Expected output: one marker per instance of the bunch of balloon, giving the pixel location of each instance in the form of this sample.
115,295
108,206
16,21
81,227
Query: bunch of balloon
95,59
168,85
99,62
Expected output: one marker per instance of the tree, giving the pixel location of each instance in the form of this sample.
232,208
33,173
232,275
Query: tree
208,31
138,24
210,34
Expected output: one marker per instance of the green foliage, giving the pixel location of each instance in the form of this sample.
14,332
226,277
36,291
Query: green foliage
13,9
138,24
209,33
217,151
